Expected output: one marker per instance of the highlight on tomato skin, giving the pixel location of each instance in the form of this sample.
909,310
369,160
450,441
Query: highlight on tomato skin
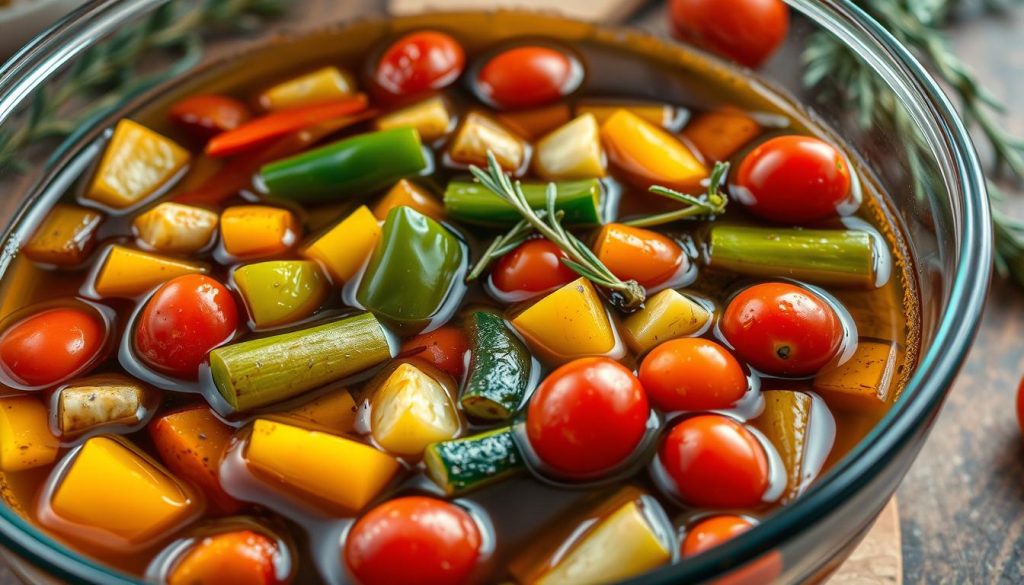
708,533
419,62
51,346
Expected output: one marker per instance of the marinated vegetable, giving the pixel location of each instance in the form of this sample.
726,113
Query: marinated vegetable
51,346
499,369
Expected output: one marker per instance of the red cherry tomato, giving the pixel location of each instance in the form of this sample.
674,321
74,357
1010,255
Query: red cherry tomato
419,62
244,556
205,116
587,417
711,532
1020,405
692,374
534,267
526,77
186,318
413,540
715,462
445,348
51,346
782,329
746,31
793,179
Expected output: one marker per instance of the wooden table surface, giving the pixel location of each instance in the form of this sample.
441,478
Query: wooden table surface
962,504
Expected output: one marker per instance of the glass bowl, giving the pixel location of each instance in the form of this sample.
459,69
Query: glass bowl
940,202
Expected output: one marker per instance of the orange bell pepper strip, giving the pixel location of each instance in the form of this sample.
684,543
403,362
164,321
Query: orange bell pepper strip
260,130
648,257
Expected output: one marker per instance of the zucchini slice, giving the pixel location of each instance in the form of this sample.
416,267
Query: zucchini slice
461,465
499,369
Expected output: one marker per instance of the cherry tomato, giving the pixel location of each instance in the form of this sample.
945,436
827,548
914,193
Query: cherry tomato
715,462
692,374
526,77
534,267
1020,405
186,318
419,62
793,179
633,253
243,556
205,116
782,329
51,346
711,532
413,540
587,417
445,348
746,31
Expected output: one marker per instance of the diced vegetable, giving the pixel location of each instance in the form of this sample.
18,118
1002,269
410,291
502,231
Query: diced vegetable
128,273
332,471
258,372
191,443
103,400
281,291
65,237
51,345
499,369
407,193
532,124
250,231
864,383
115,497
207,115
461,465
572,151
25,438
334,412
137,163
353,166
785,422
568,323
649,155
826,257
660,115
175,228
473,203
445,347
667,315
479,134
719,135
632,253
344,248
242,557
413,272
429,117
259,131
410,410
321,86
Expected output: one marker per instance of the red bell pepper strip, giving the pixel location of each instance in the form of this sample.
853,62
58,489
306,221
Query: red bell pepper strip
265,128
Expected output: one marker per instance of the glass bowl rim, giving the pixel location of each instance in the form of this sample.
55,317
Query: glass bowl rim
926,388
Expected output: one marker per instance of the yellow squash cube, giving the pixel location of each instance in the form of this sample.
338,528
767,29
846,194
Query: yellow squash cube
128,273
409,194
429,117
412,410
478,134
176,228
137,163
25,437
568,323
338,473
863,383
65,237
785,422
116,497
320,86
571,152
667,315
334,412
344,248
251,231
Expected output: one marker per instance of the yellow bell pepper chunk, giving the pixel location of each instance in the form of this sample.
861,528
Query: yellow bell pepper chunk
65,237
661,115
412,410
429,117
334,412
177,228
128,273
649,155
250,231
137,163
409,194
568,323
320,86
667,315
280,292
116,497
344,248
863,383
572,151
339,473
25,437
619,547
478,134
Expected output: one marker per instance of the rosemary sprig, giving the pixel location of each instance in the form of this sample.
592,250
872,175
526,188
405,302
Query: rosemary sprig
708,206
110,71
626,295
501,245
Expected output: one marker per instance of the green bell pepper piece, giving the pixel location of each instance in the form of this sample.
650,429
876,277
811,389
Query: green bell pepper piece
415,268
471,202
353,166
281,291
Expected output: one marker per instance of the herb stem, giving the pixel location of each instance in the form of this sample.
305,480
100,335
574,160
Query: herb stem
708,207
